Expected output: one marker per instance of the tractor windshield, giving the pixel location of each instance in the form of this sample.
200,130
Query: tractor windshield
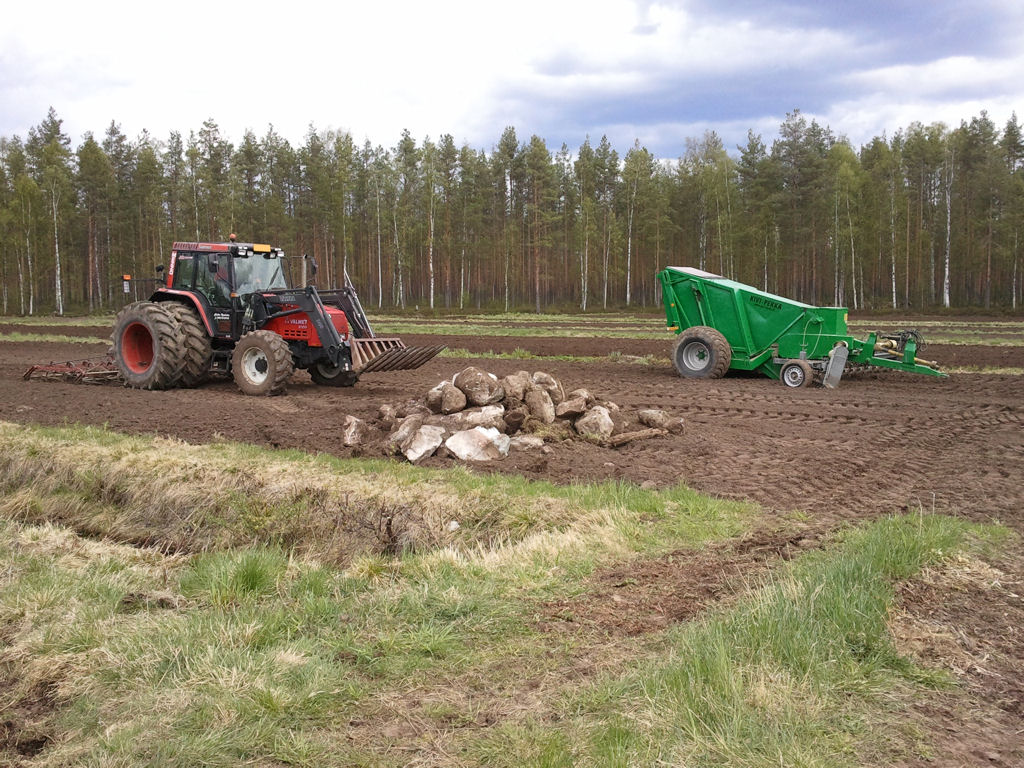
255,273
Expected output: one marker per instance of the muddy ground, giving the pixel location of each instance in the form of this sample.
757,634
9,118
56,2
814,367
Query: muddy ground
881,443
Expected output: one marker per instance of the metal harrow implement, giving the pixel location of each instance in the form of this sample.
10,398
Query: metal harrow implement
75,371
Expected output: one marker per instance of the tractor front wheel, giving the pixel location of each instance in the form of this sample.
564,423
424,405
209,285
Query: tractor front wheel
148,348
796,373
701,352
262,363
327,375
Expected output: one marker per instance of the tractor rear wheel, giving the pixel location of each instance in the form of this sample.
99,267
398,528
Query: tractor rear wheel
198,354
796,373
701,352
262,363
327,375
148,350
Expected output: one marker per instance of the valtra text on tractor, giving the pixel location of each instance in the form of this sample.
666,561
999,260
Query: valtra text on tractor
227,307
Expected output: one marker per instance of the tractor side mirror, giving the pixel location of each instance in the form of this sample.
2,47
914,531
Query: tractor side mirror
159,268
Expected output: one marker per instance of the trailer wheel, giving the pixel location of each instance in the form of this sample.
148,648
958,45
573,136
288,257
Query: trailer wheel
198,354
262,363
148,349
701,352
796,373
327,375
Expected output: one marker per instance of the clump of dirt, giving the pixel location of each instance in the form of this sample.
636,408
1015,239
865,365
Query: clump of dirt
968,618
25,723
646,596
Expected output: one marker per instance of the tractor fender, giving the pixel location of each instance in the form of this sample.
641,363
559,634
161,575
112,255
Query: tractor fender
188,297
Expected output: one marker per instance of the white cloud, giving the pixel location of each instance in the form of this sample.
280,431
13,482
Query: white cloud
462,67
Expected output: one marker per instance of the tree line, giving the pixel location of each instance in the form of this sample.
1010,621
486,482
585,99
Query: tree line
928,217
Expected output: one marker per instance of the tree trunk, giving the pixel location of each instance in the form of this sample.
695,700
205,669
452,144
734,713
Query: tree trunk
57,283
949,218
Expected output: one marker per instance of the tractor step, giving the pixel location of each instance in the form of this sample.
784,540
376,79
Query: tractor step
389,354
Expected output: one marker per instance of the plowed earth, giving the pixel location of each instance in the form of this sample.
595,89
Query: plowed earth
881,443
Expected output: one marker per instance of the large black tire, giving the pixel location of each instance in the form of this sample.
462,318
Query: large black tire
327,375
148,350
262,363
796,373
196,348
701,352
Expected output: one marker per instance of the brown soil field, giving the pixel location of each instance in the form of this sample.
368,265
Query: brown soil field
881,443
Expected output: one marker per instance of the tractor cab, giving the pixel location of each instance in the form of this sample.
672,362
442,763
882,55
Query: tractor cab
220,275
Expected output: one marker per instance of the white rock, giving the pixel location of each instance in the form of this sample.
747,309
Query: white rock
658,419
423,442
596,422
478,444
526,443
353,431
405,429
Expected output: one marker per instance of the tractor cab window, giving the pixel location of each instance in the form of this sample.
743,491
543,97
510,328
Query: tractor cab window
213,278
184,269
255,273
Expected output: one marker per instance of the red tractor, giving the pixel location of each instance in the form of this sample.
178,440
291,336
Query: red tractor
227,307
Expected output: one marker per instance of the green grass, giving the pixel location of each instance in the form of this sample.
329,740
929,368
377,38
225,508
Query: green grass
255,656
329,508
52,338
391,327
87,321
798,674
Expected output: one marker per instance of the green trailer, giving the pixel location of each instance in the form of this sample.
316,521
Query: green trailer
722,325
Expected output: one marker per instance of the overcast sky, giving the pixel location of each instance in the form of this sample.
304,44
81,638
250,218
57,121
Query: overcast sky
561,69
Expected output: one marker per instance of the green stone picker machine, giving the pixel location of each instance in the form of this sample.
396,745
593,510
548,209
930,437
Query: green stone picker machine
722,325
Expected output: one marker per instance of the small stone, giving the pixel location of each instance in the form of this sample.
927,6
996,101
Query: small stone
411,408
571,408
527,443
353,431
581,393
549,384
596,422
453,526
658,419
387,414
540,406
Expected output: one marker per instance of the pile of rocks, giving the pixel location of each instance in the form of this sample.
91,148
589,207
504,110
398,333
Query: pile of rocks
478,417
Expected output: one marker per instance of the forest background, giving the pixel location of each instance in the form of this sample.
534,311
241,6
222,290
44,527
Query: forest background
929,217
